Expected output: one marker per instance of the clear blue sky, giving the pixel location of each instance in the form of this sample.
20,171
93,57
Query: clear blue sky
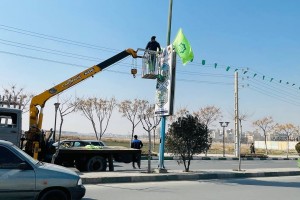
259,36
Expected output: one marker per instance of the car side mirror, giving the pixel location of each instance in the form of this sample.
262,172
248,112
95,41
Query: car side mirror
24,166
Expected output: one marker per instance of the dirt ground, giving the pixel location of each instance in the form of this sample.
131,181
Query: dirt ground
216,147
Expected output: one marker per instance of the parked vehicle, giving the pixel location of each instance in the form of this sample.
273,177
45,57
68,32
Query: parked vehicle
79,143
23,177
95,158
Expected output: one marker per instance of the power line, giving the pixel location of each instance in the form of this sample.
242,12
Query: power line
114,71
278,97
95,47
56,39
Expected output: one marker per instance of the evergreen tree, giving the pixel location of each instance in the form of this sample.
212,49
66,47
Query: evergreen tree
186,137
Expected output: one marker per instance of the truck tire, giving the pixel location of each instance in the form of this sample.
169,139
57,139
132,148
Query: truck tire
96,163
54,195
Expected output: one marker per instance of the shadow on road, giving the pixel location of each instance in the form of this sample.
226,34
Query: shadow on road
255,182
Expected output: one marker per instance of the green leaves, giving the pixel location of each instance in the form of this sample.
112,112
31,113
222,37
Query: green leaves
186,137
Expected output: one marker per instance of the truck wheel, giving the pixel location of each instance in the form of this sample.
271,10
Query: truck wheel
96,163
54,195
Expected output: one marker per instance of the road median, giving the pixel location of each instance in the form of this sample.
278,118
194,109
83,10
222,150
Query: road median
177,175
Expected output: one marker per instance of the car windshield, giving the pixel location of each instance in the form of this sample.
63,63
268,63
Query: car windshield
28,157
97,143
78,143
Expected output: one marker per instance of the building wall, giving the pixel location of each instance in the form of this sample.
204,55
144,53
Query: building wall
275,145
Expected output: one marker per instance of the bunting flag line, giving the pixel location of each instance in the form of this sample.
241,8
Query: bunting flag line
248,71
183,48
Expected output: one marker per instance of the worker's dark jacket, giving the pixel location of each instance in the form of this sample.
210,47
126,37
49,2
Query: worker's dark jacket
136,144
153,45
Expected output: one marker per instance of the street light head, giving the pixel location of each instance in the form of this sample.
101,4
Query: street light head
56,105
224,124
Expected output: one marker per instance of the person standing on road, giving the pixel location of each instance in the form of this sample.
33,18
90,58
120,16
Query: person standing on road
252,148
136,144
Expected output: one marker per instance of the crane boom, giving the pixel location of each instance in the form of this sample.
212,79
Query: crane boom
36,114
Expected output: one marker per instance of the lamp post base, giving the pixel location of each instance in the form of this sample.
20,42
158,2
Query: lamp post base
160,170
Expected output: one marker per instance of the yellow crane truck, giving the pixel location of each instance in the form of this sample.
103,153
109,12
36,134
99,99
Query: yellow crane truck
35,143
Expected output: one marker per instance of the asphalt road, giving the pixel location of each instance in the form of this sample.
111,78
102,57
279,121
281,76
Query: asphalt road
213,164
267,188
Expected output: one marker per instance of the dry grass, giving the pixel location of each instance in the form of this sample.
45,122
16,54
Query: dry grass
216,148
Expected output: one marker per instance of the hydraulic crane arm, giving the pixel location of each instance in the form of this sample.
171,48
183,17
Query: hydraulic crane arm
36,115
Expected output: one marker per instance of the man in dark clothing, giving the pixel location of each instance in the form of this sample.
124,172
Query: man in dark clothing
137,144
252,149
153,45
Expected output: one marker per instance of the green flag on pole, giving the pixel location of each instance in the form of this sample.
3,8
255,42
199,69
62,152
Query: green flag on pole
183,48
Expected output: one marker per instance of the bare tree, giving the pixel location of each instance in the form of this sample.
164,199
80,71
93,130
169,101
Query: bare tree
86,107
288,130
100,109
179,113
266,124
208,115
149,122
130,110
242,117
15,97
66,107
156,120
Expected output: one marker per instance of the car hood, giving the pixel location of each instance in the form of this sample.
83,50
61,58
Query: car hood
54,175
53,168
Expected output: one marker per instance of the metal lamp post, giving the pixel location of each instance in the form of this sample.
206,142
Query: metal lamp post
224,124
56,108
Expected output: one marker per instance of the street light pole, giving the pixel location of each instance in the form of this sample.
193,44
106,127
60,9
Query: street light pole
161,166
224,124
56,108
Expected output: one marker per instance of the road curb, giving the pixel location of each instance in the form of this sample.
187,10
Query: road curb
217,158
203,175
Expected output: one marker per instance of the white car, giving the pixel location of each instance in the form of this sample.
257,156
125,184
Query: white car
78,143
22,177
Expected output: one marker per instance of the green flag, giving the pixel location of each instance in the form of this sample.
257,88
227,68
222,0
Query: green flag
183,48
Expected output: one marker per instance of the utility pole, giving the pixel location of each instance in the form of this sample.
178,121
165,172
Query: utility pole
236,116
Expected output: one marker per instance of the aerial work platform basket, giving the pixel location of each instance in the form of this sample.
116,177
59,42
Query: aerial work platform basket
150,64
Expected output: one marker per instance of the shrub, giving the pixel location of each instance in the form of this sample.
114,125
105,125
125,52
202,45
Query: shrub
187,137
297,147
